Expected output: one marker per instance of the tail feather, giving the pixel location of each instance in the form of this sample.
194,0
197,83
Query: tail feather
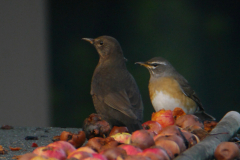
204,116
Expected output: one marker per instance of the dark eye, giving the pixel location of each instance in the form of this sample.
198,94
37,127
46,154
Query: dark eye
101,43
154,64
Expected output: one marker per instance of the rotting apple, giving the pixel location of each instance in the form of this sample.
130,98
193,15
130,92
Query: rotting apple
51,152
79,155
117,129
66,146
130,149
113,153
122,137
170,146
150,152
179,140
133,157
152,126
227,150
142,139
189,120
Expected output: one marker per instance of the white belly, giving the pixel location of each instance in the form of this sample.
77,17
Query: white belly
164,101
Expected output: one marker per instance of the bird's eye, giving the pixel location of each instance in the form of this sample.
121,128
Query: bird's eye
101,43
154,64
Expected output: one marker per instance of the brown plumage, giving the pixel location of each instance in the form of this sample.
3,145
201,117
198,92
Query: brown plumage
115,94
168,89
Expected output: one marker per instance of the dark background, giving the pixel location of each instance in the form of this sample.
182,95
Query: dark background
200,39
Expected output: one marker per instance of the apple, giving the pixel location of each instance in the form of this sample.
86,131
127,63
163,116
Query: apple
41,158
142,138
178,112
95,143
175,138
79,155
227,150
169,130
155,153
113,153
85,149
130,149
109,142
50,152
122,137
163,117
133,157
170,146
99,156
66,146
117,129
189,120
152,126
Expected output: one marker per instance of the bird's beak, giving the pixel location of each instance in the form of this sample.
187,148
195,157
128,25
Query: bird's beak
90,40
142,64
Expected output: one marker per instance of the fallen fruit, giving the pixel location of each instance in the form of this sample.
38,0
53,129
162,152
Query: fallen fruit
50,152
94,126
170,146
130,149
122,137
117,129
65,146
152,126
142,139
163,117
113,153
227,151
189,120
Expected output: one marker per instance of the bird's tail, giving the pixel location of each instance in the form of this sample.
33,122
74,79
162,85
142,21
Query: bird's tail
204,116
134,126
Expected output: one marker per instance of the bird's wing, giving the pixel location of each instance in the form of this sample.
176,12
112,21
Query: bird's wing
188,91
120,101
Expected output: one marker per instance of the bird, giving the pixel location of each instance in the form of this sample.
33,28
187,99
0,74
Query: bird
168,89
114,91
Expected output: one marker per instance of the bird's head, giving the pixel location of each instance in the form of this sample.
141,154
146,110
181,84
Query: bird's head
157,66
106,46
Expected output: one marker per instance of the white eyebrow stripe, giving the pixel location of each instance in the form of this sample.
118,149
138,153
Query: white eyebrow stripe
162,63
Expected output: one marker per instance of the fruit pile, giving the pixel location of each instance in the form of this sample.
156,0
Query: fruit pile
164,137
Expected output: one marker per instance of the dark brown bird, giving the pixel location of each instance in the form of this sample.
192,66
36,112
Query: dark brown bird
115,94
168,89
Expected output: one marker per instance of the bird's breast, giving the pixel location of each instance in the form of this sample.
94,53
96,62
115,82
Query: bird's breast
165,93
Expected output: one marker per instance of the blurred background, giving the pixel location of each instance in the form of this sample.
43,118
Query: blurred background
46,68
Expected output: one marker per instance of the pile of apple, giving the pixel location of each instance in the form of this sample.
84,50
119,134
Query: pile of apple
168,134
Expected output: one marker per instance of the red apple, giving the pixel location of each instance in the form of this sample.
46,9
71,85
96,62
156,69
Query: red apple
163,117
158,152
152,126
142,139
79,155
85,149
130,149
117,129
66,146
227,150
51,152
176,139
113,153
189,120
133,157
99,156
170,146
172,129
